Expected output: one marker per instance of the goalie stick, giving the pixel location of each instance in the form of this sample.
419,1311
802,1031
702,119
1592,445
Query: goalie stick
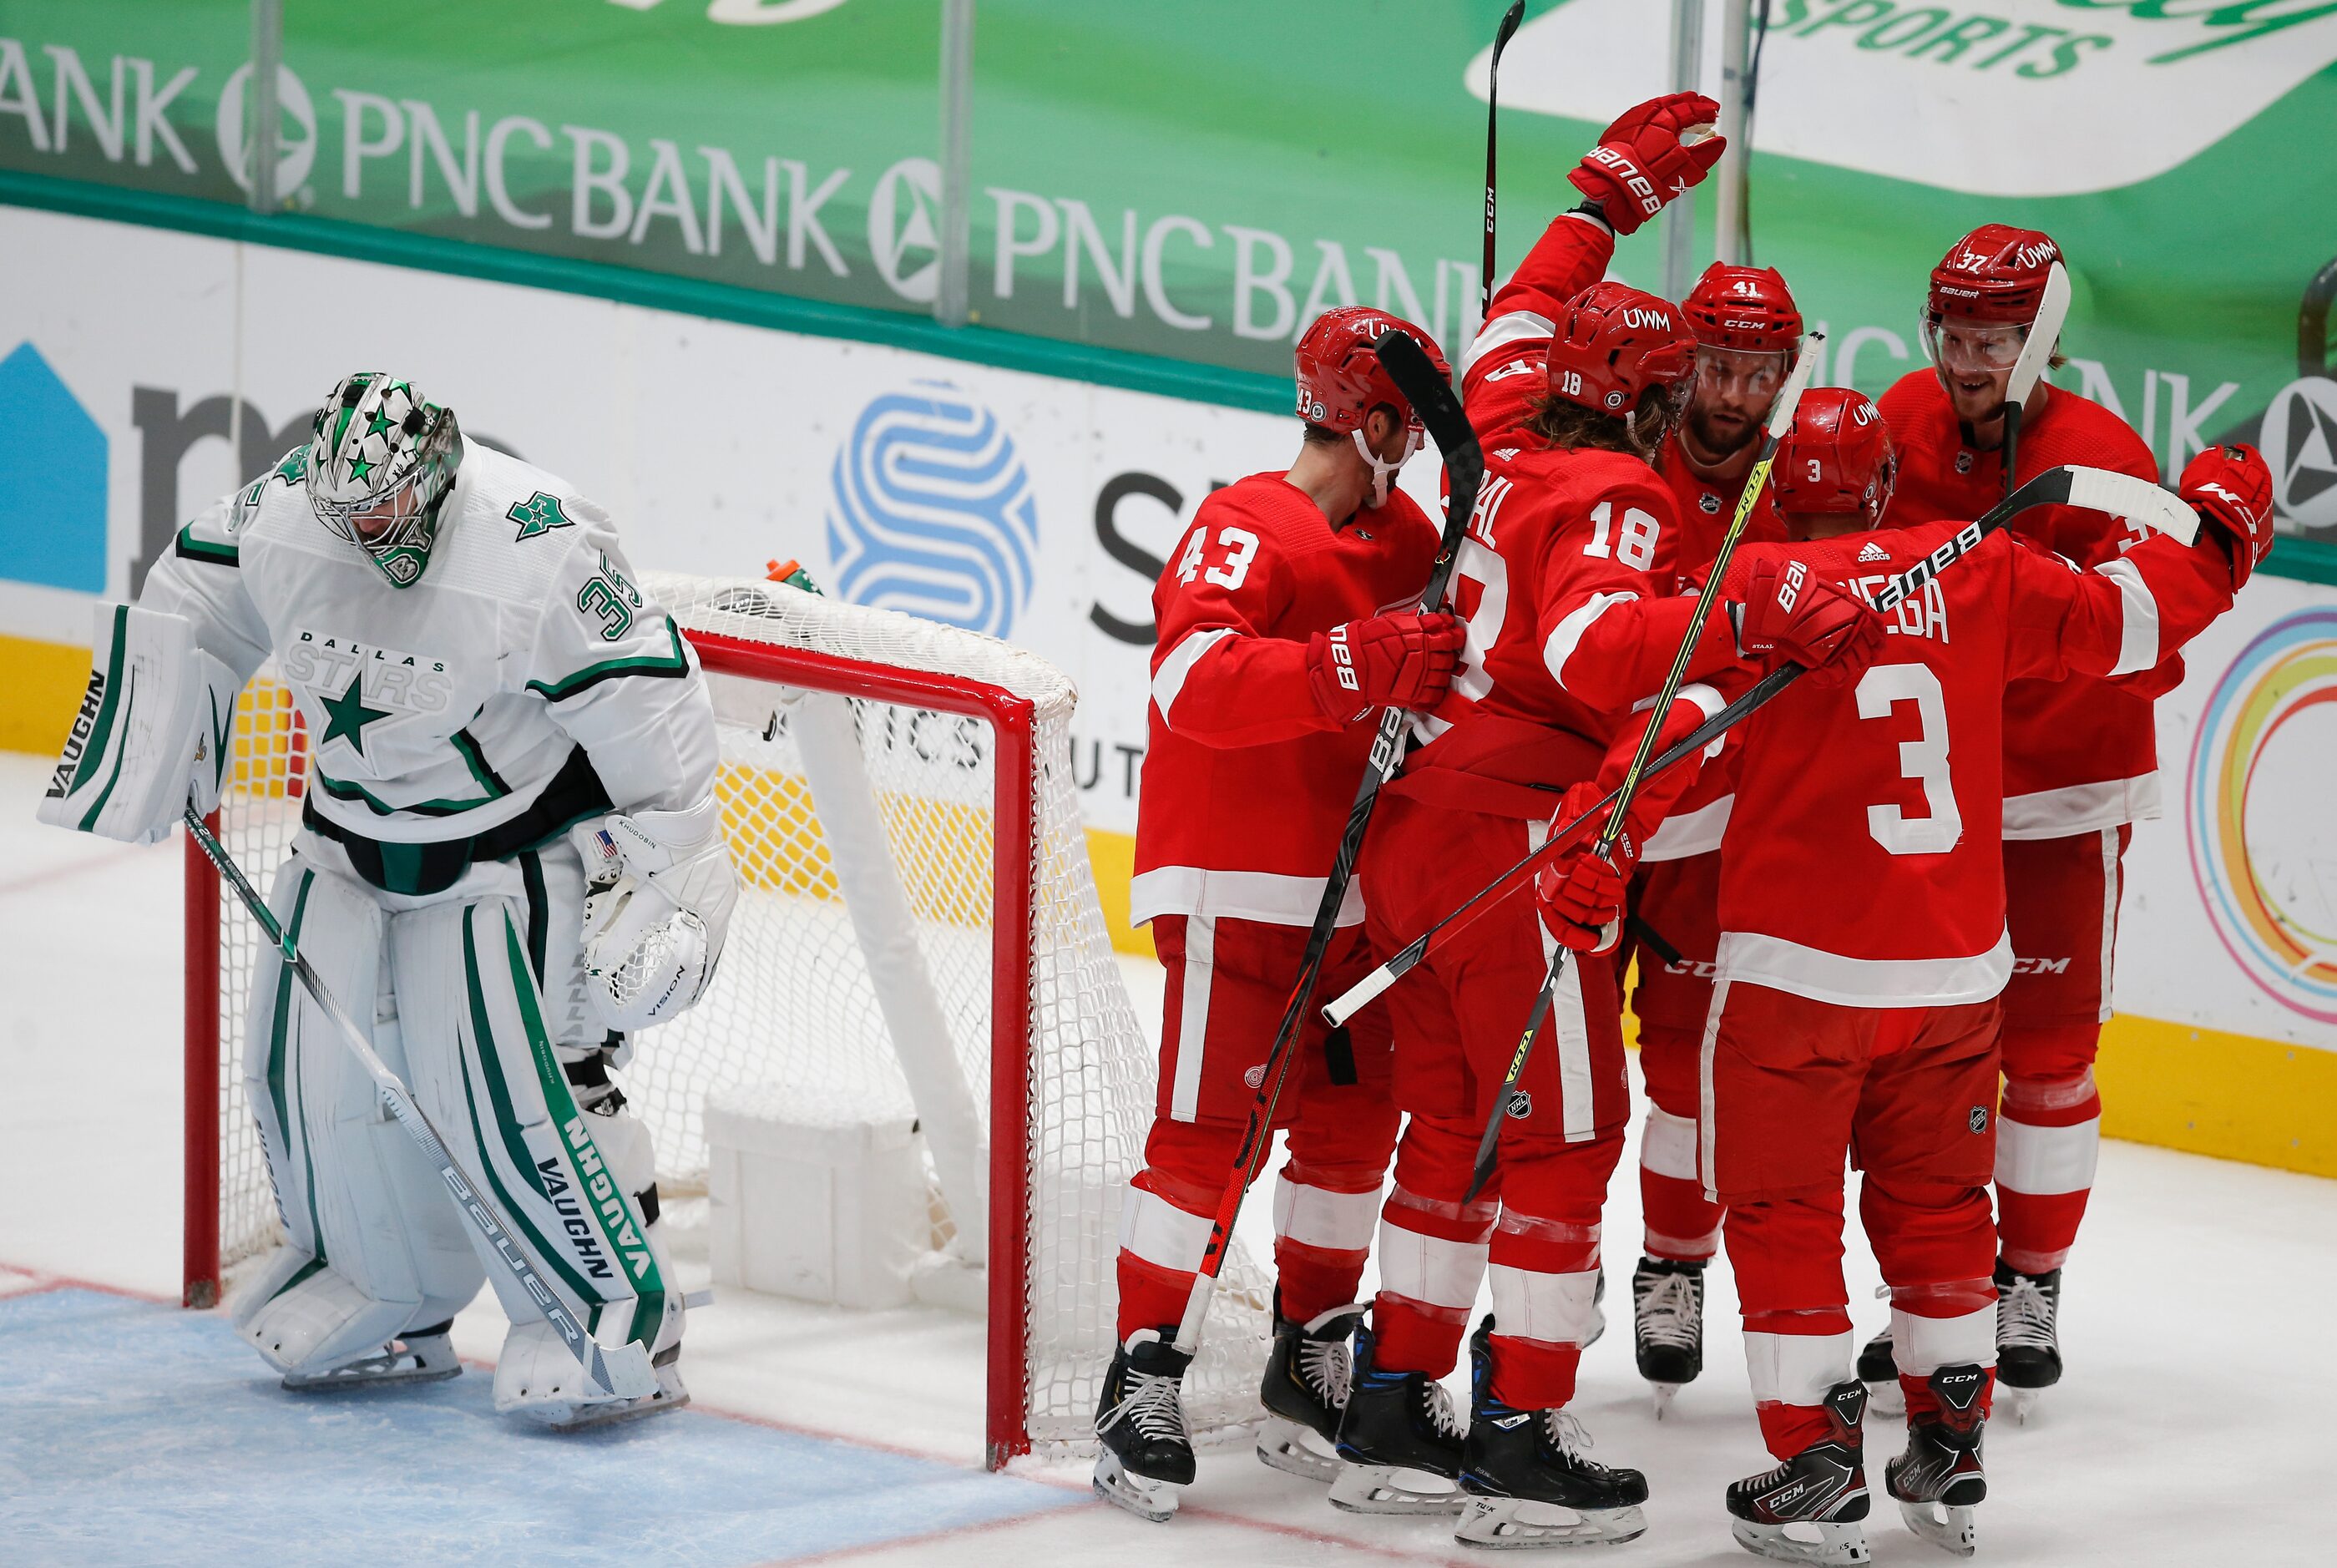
2097,489
622,1370
2036,353
1416,377
1781,419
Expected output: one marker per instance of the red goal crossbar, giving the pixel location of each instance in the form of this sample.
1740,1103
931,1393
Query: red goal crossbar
1013,721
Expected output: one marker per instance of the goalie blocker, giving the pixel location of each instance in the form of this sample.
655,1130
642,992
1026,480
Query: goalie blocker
152,734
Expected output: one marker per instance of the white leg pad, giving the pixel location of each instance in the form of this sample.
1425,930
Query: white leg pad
2045,1161
354,1190
485,1071
1558,1308
1668,1146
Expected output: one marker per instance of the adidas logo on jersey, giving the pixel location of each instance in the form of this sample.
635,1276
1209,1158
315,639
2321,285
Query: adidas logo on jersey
1872,552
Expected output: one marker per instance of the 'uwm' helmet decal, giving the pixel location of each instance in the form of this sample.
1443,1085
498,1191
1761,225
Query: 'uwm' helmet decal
1995,273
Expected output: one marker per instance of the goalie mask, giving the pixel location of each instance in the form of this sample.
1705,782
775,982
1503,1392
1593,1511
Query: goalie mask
380,463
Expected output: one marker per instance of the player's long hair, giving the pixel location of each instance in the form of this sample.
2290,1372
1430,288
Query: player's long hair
1569,425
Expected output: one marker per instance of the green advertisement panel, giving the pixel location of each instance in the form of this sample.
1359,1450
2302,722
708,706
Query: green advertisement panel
1194,180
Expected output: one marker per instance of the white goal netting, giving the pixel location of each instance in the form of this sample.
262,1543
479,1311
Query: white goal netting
797,1018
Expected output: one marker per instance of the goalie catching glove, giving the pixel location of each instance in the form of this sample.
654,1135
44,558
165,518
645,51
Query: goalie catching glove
653,926
151,734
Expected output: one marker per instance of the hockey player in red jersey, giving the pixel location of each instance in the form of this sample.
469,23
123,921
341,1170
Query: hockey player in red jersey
2080,762
1862,1022
1747,330
1569,625
1287,620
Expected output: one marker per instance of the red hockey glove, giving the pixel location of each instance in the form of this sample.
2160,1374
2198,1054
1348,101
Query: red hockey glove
1579,894
1790,612
1645,159
1385,661
2231,489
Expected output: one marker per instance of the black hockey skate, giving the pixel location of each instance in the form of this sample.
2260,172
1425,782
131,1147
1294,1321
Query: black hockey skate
2028,1334
1809,1508
416,1356
1939,1478
1528,1480
1399,1438
1140,1419
1879,1372
1307,1375
1668,1324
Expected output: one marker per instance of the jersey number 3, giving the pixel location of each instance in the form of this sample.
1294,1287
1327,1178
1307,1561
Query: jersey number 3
1240,547
1923,758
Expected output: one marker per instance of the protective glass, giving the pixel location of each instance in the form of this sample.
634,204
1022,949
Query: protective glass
1973,348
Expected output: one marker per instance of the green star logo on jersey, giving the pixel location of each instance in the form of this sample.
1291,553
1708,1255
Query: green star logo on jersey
348,714
539,513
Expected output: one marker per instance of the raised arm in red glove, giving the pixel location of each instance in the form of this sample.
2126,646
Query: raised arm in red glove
1649,155
2231,489
1384,662
1787,611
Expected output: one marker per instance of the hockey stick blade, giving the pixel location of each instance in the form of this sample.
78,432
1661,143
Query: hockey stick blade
2055,486
2126,496
2028,368
622,1370
1416,377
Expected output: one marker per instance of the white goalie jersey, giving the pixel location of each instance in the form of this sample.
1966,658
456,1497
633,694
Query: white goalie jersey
523,684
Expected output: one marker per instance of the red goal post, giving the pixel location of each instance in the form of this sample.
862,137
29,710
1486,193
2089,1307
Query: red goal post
1069,1076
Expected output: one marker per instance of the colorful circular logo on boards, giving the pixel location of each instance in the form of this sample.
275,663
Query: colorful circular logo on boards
933,512
2262,850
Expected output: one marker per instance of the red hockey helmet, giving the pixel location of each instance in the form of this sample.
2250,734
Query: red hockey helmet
1835,458
1995,273
1747,308
1612,343
1340,377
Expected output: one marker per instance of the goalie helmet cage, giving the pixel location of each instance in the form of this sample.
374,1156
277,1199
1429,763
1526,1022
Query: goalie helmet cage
964,756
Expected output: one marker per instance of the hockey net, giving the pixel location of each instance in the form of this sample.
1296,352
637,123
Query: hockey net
953,753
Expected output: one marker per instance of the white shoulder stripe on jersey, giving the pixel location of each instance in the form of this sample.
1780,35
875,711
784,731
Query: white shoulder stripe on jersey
1569,633
1823,976
1170,677
2138,647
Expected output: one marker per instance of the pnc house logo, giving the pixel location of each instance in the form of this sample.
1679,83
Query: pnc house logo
2299,441
932,511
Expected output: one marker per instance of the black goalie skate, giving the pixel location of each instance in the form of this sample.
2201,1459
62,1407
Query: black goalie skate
1400,1442
1808,1509
1879,1372
1526,1477
1939,1478
1140,1419
1668,1324
1307,1377
2028,1334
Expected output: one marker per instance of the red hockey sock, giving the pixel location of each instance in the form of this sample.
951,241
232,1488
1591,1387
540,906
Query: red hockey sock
1680,1223
1533,1374
1416,1336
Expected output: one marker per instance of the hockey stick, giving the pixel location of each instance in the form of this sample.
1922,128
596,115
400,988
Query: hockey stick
1416,377
1781,419
1509,20
2036,353
2097,489
622,1370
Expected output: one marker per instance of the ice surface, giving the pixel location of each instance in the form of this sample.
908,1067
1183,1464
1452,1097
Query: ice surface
2192,1428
